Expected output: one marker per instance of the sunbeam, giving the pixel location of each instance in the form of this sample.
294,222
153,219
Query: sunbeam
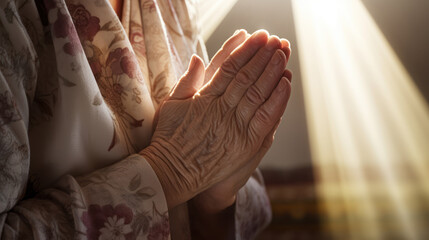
368,124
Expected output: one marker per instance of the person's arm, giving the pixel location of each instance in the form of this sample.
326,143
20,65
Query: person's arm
123,199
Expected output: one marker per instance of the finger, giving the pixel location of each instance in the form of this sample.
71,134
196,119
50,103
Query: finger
266,145
253,70
240,177
288,74
191,81
226,49
238,58
268,141
270,112
285,43
286,47
263,87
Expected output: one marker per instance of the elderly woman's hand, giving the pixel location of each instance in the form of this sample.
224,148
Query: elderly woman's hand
222,195
204,137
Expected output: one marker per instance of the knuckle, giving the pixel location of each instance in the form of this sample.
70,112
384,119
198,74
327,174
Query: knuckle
230,67
222,53
270,73
243,78
265,56
226,46
254,95
263,116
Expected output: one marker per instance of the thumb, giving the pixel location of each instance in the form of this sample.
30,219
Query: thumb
191,81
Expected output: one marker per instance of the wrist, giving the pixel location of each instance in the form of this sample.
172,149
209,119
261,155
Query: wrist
168,175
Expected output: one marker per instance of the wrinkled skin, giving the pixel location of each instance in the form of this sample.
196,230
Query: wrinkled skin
222,194
209,141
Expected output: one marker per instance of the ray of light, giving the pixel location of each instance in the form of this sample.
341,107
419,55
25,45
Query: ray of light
368,123
211,13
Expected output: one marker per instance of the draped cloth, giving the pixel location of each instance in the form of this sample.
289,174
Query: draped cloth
78,92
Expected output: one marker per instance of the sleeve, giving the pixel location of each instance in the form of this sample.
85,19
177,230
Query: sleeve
121,201
252,208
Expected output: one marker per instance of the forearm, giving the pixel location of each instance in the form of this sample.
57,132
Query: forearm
125,196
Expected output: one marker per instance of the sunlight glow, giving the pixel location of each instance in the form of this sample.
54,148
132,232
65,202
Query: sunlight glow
211,14
368,124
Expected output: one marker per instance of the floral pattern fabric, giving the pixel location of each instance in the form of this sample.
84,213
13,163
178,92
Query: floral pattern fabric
78,92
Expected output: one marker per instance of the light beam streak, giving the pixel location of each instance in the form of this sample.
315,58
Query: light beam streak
368,124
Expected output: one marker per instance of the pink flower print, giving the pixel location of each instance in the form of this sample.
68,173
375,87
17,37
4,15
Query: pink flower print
73,46
115,228
62,28
122,60
159,230
108,222
86,25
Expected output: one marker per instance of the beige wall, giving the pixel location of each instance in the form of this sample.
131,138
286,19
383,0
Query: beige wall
405,23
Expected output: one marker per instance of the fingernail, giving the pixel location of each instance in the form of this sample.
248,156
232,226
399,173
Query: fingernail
273,43
239,31
285,42
260,32
277,57
192,62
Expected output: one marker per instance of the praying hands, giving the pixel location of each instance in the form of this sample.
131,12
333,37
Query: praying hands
218,123
121,145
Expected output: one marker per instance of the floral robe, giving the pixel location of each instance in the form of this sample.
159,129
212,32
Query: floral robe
78,93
